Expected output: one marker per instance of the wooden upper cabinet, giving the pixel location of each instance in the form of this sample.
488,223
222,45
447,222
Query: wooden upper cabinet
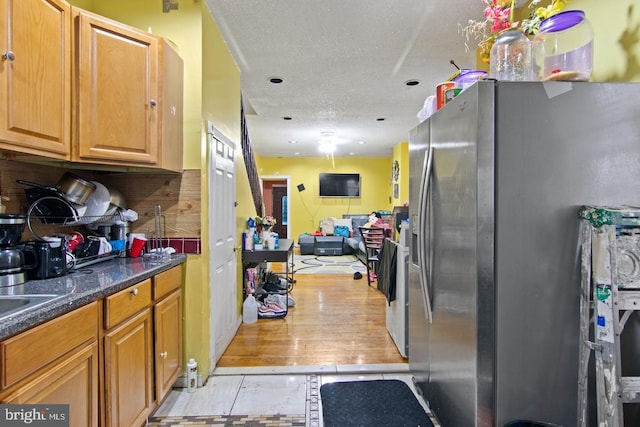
117,92
35,77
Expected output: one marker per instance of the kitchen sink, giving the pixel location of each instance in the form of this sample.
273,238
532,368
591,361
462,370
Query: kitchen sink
13,304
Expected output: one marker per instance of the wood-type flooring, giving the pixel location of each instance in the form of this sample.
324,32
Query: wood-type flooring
337,320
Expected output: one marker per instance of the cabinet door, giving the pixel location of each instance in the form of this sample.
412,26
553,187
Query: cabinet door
117,92
74,381
35,77
128,372
168,344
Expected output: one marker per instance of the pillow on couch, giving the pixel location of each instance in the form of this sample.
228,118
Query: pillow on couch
341,230
326,226
343,222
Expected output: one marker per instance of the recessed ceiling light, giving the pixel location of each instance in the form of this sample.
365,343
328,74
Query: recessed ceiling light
352,154
275,80
293,142
297,154
380,119
412,82
362,142
286,118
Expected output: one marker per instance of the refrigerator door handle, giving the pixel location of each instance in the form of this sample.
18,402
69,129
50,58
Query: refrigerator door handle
425,190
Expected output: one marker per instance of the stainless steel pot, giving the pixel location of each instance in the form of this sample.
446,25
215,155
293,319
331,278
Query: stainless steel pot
75,188
116,198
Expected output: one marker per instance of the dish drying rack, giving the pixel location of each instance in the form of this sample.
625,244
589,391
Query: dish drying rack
76,220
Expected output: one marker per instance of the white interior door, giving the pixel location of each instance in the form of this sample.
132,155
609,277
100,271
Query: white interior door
222,237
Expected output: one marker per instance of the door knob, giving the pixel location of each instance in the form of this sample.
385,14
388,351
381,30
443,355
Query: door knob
134,291
163,355
9,55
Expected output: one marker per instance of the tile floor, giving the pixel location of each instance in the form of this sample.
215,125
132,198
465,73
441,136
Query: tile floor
274,396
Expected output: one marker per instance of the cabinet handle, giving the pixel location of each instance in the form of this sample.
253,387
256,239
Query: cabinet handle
9,55
134,291
153,103
163,355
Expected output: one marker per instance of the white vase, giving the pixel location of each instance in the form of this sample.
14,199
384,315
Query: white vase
265,235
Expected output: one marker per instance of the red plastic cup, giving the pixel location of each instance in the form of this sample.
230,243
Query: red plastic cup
137,245
73,240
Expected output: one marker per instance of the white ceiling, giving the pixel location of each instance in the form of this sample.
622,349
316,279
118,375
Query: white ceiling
344,64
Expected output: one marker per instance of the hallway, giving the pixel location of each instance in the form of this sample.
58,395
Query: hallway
271,373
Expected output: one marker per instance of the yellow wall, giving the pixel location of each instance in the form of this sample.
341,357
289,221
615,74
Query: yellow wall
221,105
616,25
307,208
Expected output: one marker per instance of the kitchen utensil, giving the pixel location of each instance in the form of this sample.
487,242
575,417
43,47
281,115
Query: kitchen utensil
88,248
97,203
75,188
11,228
117,199
119,231
51,191
70,189
50,207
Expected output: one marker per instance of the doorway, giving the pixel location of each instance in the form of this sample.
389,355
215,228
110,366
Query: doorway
275,194
223,319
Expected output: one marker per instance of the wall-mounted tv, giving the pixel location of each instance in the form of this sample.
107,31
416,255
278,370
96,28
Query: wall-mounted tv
339,185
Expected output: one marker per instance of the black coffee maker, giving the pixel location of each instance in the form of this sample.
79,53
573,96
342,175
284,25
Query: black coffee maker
49,258
13,263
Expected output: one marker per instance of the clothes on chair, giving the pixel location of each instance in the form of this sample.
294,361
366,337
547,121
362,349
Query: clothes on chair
373,238
387,270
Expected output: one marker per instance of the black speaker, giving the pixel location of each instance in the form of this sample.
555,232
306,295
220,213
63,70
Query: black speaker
301,187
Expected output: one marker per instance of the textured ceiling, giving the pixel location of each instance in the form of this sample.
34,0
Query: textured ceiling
344,64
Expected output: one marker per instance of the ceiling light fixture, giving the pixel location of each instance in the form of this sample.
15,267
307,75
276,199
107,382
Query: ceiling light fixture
327,147
293,142
362,142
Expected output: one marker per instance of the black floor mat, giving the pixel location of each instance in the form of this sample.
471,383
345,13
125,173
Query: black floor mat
371,403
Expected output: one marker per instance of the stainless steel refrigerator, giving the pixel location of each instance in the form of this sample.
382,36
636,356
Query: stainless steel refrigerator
497,178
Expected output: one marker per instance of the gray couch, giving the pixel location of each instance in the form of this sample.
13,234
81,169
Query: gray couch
354,244
351,245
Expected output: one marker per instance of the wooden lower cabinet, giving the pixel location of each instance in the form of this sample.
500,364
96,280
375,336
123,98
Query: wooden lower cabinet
168,342
113,360
73,381
128,371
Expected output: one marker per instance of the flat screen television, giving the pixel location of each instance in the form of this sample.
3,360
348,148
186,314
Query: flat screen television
339,185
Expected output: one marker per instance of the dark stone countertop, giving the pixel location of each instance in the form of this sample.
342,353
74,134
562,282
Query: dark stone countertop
79,288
